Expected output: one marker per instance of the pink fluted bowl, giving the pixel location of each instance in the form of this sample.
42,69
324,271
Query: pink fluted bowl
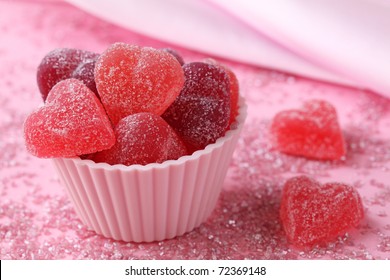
152,202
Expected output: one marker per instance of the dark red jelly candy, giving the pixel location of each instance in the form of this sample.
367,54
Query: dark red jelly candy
173,52
85,73
234,88
132,79
312,132
313,214
142,138
59,65
201,113
72,122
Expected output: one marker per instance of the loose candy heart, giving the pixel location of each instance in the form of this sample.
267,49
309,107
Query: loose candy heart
72,122
312,132
132,79
61,64
201,113
313,214
142,138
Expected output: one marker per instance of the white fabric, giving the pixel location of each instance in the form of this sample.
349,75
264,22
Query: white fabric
342,41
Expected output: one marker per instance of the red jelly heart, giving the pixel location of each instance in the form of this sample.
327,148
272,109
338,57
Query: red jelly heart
72,122
234,94
59,65
312,213
234,88
132,79
313,132
201,113
142,138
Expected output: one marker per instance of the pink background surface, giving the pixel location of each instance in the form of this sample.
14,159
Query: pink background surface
37,220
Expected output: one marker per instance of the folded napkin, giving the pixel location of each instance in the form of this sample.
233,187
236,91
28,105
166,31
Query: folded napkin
341,41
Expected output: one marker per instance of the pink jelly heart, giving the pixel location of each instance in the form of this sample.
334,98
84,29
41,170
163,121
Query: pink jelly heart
132,79
65,63
72,122
312,213
142,138
312,132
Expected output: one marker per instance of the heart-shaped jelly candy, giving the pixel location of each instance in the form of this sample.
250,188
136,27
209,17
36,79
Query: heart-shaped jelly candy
312,132
72,122
313,214
234,88
85,73
132,79
65,63
173,52
142,138
201,113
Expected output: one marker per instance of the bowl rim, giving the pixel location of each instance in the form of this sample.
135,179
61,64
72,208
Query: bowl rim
235,127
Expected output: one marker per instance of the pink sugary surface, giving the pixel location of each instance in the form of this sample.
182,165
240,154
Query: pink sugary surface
37,219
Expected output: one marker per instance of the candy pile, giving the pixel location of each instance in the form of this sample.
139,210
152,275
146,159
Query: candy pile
129,105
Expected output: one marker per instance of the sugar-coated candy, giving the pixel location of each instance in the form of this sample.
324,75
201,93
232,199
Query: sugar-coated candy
312,132
132,79
142,138
234,94
72,122
234,88
314,213
201,113
59,65
173,52
85,73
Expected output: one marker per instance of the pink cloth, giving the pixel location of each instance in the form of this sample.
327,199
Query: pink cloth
344,41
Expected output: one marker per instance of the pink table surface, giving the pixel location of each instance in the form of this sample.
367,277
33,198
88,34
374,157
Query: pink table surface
37,220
